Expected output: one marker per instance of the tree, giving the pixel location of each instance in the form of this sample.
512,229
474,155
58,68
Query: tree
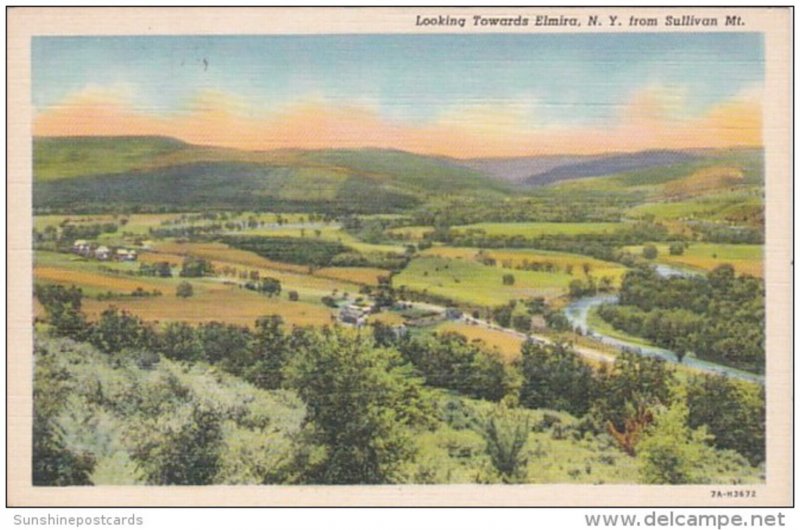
194,267
294,296
54,462
506,433
226,343
628,393
676,249
184,290
448,360
670,452
179,341
502,315
508,279
733,412
270,286
650,252
554,377
358,404
180,447
269,353
117,330
63,308
521,323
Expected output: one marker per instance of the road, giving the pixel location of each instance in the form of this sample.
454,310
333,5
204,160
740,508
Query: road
601,356
583,351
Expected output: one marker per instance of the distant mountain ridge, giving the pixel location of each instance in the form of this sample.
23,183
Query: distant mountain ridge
156,172
548,169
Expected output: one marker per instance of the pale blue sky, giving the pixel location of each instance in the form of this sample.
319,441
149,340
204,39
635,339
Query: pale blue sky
571,79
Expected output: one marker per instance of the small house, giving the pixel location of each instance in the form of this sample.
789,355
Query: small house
102,253
81,246
354,314
123,254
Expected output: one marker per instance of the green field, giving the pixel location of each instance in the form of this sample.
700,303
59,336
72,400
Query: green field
538,229
473,283
514,258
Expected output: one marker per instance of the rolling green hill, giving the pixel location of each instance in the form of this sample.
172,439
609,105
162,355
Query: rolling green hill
145,173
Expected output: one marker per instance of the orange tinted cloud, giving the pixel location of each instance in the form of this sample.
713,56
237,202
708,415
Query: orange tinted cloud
654,119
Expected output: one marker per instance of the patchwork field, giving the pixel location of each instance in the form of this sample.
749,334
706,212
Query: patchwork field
746,259
219,253
213,299
359,275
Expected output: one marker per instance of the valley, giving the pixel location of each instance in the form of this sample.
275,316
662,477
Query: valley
454,265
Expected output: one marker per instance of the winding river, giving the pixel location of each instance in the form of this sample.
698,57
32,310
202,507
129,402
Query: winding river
578,314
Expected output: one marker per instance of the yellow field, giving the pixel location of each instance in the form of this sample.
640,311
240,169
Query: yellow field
753,268
94,280
388,318
226,303
361,275
506,345
224,254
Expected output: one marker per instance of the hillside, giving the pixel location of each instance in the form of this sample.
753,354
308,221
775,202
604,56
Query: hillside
548,169
700,173
151,172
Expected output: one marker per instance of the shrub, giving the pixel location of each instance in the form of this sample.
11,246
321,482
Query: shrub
184,290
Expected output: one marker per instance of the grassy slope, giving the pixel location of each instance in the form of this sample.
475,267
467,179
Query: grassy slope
107,401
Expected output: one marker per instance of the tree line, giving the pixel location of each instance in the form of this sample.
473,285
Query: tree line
364,391
719,316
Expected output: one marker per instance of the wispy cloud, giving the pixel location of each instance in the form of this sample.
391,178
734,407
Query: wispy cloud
653,119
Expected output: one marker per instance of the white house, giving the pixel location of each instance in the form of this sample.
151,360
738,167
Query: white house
102,252
123,254
81,246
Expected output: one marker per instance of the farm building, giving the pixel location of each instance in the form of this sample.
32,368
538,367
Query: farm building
82,247
354,314
123,254
102,252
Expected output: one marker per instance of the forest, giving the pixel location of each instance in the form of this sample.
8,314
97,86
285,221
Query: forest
220,403
719,316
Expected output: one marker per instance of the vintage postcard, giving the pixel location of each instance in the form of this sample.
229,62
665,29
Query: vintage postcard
400,257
